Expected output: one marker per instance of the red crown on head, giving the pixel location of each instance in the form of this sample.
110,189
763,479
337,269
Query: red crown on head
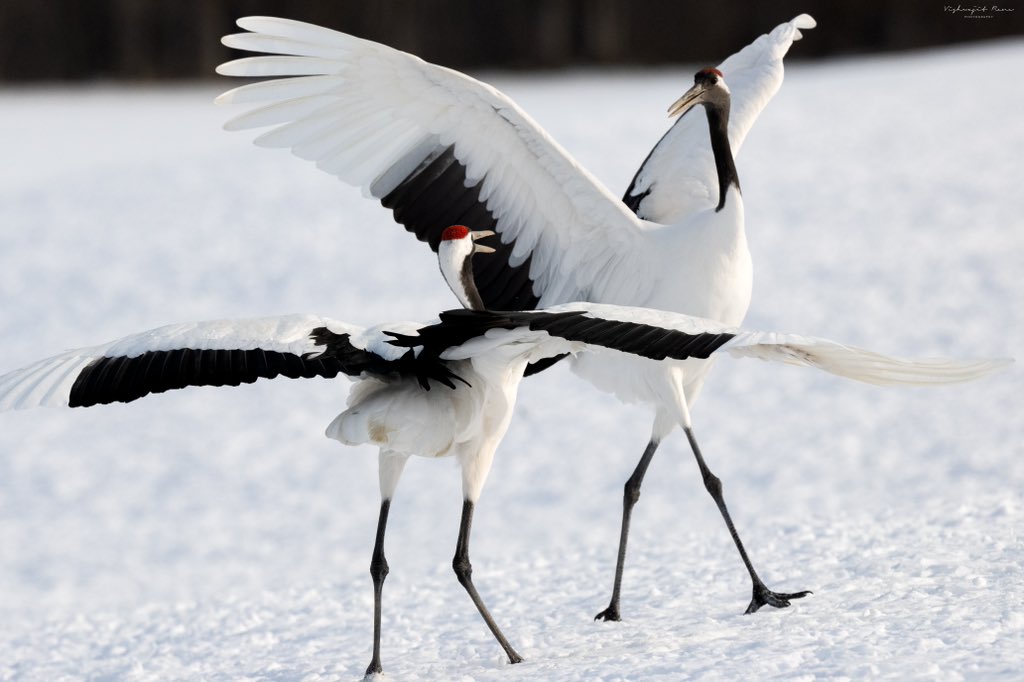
455,232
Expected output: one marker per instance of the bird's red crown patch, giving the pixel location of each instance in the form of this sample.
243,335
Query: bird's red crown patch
455,232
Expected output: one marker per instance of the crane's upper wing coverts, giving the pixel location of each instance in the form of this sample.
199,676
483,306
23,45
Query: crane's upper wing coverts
438,148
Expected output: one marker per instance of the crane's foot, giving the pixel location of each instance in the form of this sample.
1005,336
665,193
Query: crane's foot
373,670
610,614
780,600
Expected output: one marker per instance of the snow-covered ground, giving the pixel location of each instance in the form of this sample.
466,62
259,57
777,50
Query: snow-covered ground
216,534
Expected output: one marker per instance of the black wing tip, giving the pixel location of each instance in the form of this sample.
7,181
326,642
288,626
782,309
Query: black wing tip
125,379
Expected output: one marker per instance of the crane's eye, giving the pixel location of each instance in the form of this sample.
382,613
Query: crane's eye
706,76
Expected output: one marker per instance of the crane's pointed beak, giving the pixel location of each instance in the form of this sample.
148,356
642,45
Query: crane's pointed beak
690,98
481,234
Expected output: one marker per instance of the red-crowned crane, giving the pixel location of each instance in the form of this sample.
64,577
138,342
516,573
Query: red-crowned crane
438,147
441,389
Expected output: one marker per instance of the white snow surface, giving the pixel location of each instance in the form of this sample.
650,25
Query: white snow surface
215,534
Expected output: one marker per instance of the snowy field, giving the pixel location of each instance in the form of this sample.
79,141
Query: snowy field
215,534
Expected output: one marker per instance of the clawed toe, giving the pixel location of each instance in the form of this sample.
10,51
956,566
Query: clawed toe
763,596
609,614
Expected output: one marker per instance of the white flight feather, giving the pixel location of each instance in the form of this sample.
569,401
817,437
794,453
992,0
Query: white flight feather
545,197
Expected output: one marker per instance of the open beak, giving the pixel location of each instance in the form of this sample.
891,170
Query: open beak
690,98
480,234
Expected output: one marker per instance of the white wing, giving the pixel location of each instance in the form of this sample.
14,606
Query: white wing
440,148
660,335
678,177
217,353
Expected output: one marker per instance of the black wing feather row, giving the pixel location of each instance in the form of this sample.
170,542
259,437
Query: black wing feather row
435,196
649,341
124,379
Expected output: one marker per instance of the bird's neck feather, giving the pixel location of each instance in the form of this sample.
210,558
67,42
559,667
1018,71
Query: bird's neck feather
473,299
718,126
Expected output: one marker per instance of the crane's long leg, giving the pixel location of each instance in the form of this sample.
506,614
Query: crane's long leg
761,594
378,571
630,495
389,470
464,572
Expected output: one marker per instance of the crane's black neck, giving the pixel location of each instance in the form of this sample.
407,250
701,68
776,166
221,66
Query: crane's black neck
718,125
468,281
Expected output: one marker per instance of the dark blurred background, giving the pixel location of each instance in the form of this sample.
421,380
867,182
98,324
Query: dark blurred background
143,39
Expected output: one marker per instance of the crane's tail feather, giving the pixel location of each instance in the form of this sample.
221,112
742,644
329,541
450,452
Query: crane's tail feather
860,364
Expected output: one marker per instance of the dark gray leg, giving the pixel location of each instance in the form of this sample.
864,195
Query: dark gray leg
761,594
464,572
378,571
630,495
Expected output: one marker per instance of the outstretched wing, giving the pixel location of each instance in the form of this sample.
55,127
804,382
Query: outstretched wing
678,177
438,148
214,353
660,335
